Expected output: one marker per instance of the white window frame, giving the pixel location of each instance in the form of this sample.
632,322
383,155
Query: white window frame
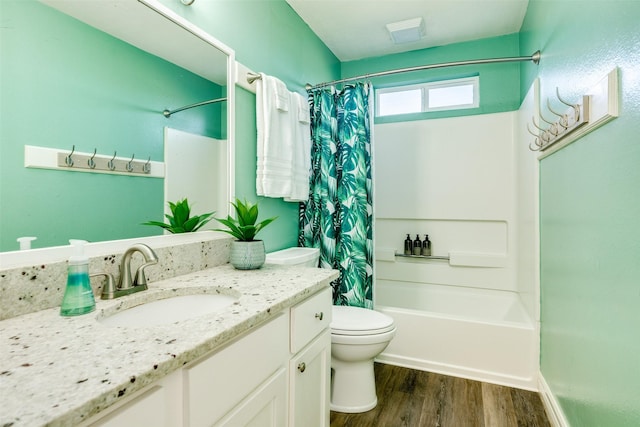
426,87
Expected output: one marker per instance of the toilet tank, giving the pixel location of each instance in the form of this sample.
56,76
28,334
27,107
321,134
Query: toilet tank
303,257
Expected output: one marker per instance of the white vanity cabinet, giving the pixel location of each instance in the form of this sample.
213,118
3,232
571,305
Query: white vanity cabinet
310,365
275,375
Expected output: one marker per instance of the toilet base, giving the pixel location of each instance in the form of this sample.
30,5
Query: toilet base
353,386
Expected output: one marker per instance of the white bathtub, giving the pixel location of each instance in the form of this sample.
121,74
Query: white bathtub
479,334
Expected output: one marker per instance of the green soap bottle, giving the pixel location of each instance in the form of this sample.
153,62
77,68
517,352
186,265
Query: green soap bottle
78,296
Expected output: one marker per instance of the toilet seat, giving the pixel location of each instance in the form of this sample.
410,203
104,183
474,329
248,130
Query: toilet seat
356,321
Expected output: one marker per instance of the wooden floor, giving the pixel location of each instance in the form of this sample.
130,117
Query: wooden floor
411,398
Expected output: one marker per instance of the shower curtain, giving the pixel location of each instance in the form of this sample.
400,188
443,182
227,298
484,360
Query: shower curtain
338,216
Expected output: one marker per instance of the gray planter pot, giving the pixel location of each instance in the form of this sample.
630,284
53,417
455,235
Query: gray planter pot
247,255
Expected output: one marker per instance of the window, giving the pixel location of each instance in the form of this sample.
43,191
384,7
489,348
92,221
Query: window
435,96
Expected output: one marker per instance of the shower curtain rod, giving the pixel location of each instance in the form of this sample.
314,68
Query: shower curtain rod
168,113
535,58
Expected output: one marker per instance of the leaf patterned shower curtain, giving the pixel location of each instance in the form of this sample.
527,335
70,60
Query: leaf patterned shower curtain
338,217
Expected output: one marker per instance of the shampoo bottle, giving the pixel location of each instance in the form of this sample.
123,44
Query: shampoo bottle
78,296
417,244
426,246
408,246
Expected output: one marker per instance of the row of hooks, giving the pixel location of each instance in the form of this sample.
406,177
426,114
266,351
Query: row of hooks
574,117
103,163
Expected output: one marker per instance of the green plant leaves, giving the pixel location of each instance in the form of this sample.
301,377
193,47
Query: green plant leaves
180,221
244,227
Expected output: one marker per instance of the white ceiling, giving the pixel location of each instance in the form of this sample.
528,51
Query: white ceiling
355,29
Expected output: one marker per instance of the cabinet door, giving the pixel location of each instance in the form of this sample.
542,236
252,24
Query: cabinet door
265,407
160,405
217,383
309,374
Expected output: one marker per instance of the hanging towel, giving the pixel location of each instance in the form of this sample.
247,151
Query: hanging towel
301,165
281,95
275,138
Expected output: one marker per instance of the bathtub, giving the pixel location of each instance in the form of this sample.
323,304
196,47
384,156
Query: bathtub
479,334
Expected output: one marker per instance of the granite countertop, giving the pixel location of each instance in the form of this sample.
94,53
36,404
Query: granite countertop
59,371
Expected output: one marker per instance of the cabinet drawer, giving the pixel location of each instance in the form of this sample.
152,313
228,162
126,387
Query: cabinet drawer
309,318
218,383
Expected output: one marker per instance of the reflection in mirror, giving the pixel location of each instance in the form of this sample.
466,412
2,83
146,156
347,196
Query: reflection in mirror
66,83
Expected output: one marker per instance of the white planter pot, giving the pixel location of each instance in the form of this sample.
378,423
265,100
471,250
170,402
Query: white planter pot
247,255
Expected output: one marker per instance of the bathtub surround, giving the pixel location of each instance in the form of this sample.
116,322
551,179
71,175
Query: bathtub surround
473,179
338,217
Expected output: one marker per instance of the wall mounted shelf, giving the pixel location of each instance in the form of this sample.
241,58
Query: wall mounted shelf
446,258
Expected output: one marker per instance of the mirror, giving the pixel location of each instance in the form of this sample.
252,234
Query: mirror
97,75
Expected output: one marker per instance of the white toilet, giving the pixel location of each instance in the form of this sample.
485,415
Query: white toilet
358,335
303,257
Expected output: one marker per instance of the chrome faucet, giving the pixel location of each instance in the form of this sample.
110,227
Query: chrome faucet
126,284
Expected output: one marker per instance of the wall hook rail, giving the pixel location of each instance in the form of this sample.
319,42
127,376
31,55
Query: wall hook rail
93,162
576,116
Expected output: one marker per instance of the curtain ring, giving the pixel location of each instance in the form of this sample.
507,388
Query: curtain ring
110,163
91,162
130,165
69,160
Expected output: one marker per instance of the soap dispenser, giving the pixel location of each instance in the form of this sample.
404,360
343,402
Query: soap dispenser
426,246
417,245
408,246
78,296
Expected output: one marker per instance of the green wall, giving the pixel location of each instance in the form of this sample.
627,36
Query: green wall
590,214
499,83
65,83
269,37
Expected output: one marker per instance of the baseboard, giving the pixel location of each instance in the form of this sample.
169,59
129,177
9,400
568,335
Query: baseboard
459,371
551,404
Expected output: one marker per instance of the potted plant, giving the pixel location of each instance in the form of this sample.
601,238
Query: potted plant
247,253
181,220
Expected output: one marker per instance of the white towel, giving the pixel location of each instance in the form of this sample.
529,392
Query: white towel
281,95
301,162
275,138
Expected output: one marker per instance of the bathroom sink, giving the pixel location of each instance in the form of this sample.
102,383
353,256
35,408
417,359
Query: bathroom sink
168,310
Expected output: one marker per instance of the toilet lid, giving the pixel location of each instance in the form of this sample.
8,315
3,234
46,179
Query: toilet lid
359,321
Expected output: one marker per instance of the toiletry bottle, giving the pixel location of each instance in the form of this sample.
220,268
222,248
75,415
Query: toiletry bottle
408,246
78,296
426,246
417,245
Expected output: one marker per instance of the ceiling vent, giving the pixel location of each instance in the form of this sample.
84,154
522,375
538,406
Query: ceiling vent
410,30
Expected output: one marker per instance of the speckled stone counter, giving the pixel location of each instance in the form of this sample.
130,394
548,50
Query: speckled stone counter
60,371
